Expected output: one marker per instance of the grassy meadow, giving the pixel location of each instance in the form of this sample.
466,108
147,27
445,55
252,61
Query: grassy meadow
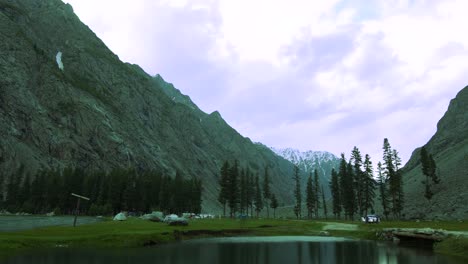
139,233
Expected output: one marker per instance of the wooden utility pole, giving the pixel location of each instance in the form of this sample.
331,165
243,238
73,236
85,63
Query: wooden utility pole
78,206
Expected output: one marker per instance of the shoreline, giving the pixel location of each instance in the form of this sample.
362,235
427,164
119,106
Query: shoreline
137,233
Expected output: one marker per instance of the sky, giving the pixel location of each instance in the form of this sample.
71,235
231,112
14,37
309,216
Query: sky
311,75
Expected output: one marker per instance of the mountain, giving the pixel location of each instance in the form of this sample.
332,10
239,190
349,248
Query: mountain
449,146
67,100
308,161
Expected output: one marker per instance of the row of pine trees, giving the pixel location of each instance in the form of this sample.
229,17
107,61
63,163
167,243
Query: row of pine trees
109,192
243,192
314,196
354,187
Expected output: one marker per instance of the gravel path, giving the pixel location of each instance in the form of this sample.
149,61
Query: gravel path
340,226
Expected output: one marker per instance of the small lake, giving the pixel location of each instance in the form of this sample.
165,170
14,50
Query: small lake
281,250
17,223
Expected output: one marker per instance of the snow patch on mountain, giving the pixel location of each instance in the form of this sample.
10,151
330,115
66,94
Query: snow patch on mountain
308,160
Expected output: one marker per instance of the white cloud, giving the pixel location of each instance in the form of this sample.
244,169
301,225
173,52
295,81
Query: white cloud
307,74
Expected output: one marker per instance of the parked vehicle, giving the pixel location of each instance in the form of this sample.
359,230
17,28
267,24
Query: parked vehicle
371,219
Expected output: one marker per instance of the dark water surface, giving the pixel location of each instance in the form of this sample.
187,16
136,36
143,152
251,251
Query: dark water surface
245,251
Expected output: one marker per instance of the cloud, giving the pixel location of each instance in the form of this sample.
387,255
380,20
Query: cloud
323,75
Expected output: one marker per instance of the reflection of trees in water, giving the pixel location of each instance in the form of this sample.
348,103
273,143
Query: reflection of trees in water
350,252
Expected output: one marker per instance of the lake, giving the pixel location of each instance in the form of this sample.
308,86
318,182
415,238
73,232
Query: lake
244,250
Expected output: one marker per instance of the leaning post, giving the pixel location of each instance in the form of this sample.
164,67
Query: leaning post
78,205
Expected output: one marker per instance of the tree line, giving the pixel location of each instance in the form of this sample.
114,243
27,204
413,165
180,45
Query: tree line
243,192
354,187
314,195
109,192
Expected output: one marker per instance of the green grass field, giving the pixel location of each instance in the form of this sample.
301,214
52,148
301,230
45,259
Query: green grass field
139,233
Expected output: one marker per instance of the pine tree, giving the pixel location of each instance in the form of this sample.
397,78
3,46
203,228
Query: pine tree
316,193
165,202
310,203
336,194
325,213
251,191
297,193
38,190
224,182
399,183
130,193
274,204
393,176
24,197
358,179
258,196
233,189
382,182
178,193
12,190
195,195
429,169
266,190
346,187
368,185
242,191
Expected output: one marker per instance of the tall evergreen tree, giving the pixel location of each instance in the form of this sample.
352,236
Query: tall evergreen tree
12,190
195,195
250,191
24,196
266,190
297,193
130,193
325,213
429,169
165,199
398,207
346,186
38,193
358,180
224,184
233,190
336,194
368,186
316,193
395,187
243,192
310,202
274,204
258,196
383,189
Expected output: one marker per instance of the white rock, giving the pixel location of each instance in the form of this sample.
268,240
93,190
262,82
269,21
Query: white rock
58,58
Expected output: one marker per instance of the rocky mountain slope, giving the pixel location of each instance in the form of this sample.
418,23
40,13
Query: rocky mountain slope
449,146
67,100
310,160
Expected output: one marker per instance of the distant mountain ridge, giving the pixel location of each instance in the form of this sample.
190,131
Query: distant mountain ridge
310,160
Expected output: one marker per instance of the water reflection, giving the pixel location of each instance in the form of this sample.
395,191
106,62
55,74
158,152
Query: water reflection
212,251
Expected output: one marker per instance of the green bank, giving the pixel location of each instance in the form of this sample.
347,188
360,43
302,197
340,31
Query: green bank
140,233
